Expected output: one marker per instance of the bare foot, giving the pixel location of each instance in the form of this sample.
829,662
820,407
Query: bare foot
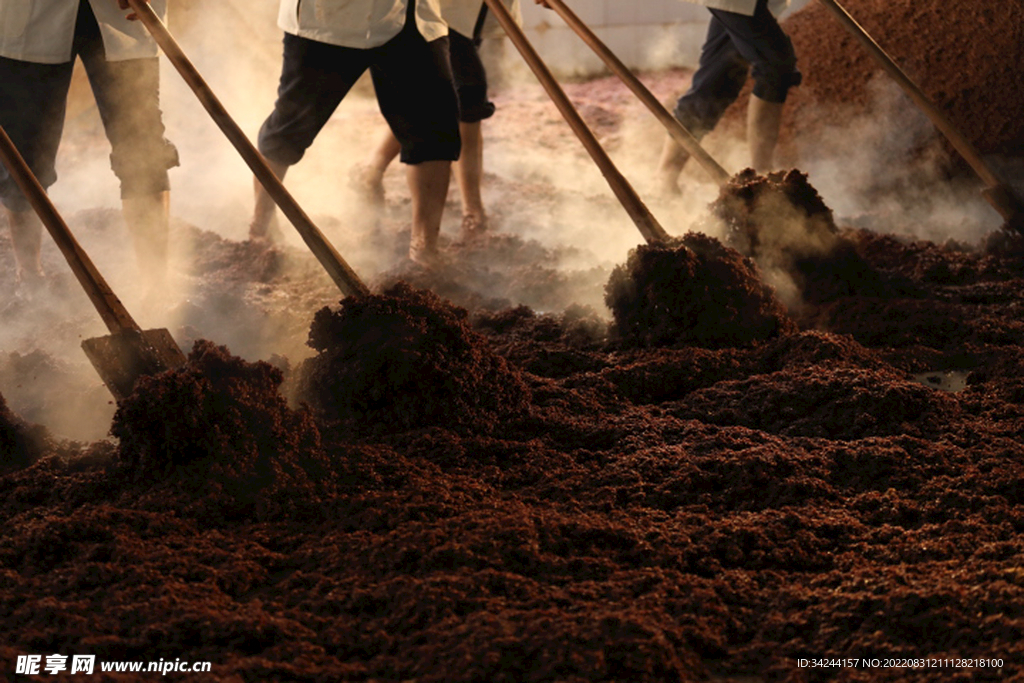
666,186
473,227
425,256
30,283
266,231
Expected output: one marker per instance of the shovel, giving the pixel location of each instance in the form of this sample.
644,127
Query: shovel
129,352
340,272
676,130
627,196
997,192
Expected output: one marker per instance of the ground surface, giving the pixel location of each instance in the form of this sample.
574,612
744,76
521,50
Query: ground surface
668,513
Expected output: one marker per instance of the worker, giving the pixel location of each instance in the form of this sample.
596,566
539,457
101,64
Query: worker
328,44
466,21
743,36
39,42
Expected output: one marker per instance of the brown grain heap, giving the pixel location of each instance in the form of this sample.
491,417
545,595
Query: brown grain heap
693,292
405,359
777,218
220,423
966,57
660,515
16,450
783,224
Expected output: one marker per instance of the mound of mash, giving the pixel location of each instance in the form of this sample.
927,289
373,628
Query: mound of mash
406,358
693,292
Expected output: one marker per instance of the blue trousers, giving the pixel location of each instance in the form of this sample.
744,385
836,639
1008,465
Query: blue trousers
737,46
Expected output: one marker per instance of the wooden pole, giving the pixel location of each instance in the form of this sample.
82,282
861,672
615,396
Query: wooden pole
675,129
343,275
110,308
998,193
627,196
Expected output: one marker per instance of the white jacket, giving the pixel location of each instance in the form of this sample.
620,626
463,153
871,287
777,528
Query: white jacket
461,15
742,6
42,31
358,23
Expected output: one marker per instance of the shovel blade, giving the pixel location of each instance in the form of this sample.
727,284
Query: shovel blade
122,358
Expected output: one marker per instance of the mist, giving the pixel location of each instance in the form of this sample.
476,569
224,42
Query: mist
884,166
870,170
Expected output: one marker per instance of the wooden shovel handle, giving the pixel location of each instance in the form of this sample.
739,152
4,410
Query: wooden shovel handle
343,275
110,308
675,129
999,195
641,215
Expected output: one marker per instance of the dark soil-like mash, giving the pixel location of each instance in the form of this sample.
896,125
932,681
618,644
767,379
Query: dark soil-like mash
477,476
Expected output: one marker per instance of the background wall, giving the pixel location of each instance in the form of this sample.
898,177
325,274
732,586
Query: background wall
644,34
649,34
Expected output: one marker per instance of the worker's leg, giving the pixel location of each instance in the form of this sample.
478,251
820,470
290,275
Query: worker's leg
315,77
764,119
264,213
761,41
716,84
470,79
368,178
148,219
428,186
26,237
412,79
32,103
128,99
469,170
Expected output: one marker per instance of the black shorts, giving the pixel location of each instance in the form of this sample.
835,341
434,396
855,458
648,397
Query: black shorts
33,98
412,79
470,79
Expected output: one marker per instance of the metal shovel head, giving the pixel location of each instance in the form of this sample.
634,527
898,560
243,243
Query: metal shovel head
122,358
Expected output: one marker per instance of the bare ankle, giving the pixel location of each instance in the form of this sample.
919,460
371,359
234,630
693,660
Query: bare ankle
263,228
474,225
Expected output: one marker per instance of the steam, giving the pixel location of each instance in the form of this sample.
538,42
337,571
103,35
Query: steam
884,168
870,170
